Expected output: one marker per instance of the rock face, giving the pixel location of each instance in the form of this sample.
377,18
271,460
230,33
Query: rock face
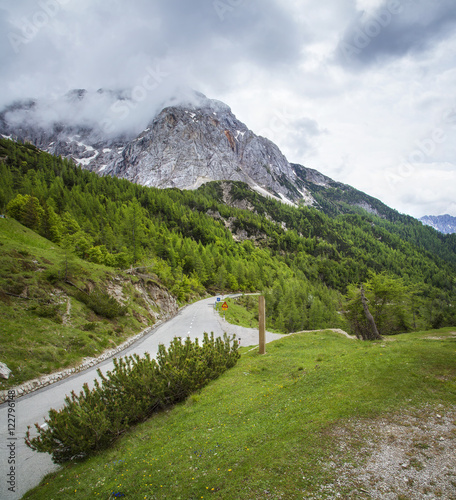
160,304
184,145
443,223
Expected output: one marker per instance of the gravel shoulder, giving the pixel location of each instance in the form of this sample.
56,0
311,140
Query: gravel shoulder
406,456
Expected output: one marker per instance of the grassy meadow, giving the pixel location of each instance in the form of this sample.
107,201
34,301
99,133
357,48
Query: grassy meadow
264,429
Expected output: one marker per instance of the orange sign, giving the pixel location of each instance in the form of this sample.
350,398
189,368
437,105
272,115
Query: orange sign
224,306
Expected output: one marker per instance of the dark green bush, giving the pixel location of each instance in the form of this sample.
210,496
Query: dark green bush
102,304
89,327
53,276
132,392
49,311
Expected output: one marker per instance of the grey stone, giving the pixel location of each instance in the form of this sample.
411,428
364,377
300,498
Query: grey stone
5,372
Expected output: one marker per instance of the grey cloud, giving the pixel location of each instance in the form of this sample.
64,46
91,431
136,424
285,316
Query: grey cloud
308,127
301,132
258,33
111,44
395,29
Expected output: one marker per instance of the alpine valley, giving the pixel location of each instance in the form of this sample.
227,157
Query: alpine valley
112,221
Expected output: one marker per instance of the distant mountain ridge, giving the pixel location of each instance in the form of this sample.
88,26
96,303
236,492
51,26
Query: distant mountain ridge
185,144
445,224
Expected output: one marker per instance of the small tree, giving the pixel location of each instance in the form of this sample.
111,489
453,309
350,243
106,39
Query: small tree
387,299
27,210
372,332
50,224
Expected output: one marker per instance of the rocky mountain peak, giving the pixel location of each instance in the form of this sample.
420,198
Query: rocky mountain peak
191,140
443,223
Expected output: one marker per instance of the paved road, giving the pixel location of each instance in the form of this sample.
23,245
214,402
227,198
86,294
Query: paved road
30,466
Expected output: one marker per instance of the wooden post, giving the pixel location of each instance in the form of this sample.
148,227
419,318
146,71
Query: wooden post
262,324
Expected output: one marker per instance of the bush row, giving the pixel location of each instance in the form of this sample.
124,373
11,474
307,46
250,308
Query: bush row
129,394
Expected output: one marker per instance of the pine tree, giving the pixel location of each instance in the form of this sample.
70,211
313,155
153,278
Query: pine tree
50,226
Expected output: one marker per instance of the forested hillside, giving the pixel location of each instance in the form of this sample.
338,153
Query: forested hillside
199,242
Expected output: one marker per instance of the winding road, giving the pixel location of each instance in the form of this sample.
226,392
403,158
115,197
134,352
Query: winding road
30,467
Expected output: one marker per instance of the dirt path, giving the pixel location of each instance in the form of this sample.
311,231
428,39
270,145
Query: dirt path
335,330
67,316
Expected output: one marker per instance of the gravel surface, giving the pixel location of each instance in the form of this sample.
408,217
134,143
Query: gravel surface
403,456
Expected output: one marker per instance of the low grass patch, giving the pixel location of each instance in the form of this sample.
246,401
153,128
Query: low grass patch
264,428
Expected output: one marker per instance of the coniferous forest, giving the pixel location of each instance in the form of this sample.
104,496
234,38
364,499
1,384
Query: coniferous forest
308,262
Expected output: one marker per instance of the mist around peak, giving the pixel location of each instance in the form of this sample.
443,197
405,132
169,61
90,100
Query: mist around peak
108,113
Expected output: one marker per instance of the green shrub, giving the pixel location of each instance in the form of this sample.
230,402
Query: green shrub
89,327
102,304
52,275
49,311
136,388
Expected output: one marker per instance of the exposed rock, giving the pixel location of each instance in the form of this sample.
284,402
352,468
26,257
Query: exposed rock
187,145
228,199
368,208
5,372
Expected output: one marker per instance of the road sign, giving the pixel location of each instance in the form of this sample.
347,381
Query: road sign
224,306
218,299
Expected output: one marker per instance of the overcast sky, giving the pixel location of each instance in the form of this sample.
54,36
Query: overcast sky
361,90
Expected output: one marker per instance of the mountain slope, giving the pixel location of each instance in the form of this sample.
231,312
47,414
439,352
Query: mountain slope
186,144
223,237
196,240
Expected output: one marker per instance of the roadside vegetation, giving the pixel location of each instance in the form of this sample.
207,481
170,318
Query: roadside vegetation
70,238
130,393
56,309
242,310
267,428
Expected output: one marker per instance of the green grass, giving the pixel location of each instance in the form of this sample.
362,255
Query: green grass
242,311
264,428
36,336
